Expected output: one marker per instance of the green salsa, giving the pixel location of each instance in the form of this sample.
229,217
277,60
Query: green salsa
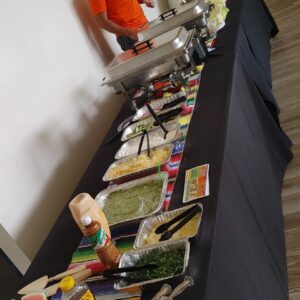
134,202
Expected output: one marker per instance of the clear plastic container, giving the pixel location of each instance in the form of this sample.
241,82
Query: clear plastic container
72,290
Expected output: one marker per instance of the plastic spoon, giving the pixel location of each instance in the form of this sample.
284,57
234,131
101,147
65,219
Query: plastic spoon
168,234
164,227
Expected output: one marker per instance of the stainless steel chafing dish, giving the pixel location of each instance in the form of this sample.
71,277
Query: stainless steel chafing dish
190,15
169,52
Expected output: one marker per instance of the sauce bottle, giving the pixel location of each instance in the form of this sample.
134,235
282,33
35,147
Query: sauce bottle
100,241
82,205
72,290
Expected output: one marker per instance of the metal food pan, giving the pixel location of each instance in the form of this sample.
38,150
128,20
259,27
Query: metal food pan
157,105
129,259
142,117
165,47
148,224
186,14
102,197
147,121
136,174
156,138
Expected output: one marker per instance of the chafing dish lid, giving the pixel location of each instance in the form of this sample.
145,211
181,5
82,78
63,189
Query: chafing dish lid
163,47
184,14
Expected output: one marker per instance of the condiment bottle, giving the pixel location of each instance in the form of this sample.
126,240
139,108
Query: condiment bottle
72,290
82,205
100,241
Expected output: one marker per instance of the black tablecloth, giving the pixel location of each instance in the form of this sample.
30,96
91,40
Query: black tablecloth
239,252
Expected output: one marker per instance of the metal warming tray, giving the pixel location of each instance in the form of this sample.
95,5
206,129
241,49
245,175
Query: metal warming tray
140,172
188,15
131,258
103,196
156,138
149,60
151,223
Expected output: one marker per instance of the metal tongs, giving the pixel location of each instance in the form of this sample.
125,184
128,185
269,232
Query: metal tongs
114,273
145,132
185,217
154,115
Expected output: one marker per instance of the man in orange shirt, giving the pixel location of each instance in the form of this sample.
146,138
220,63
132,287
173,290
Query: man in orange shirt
122,17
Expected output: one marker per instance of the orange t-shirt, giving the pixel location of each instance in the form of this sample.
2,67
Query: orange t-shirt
126,13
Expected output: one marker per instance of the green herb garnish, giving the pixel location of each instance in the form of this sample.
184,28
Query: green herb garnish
169,263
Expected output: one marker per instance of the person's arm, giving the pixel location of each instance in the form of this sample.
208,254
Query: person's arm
112,27
149,3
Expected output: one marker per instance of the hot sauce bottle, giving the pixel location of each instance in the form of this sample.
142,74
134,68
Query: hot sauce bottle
100,241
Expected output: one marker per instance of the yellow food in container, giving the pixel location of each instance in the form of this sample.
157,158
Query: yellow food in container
189,229
158,156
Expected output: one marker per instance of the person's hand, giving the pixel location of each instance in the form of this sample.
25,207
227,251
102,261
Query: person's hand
149,3
132,34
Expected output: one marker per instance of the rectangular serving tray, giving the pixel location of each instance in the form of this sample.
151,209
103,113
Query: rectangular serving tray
129,258
184,15
147,121
165,47
147,225
137,174
102,197
156,138
157,105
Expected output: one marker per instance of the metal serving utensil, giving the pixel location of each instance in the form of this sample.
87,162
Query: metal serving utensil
164,227
187,282
168,234
114,273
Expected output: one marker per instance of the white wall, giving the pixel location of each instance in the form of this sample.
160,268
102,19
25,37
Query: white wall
53,113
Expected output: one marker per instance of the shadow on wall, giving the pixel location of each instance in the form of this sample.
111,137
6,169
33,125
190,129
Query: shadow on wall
163,5
78,153
92,30
78,149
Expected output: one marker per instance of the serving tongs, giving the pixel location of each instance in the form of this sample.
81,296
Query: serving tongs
185,217
150,94
145,132
168,115
114,273
156,118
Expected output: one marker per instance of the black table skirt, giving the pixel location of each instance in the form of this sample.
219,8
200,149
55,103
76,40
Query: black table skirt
239,252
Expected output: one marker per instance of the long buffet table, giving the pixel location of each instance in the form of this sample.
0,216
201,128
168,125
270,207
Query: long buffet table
239,252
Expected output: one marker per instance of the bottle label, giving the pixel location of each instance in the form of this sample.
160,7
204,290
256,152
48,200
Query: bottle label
99,239
87,296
